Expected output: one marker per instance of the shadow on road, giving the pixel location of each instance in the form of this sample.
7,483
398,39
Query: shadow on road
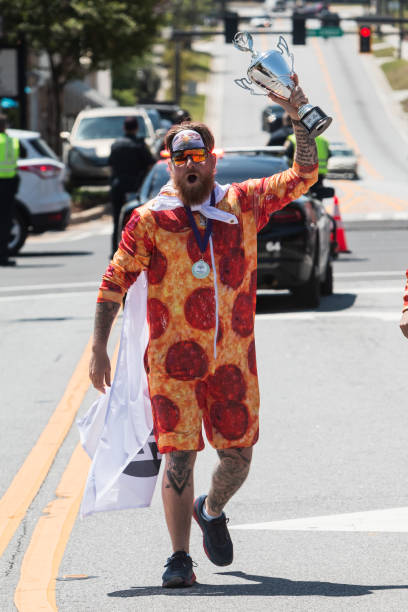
279,303
261,586
53,254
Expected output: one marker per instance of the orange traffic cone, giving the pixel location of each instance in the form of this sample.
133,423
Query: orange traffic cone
340,232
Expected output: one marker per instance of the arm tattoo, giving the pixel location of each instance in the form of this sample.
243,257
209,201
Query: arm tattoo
306,151
104,316
228,476
179,471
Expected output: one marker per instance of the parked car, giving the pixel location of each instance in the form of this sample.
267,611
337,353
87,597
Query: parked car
41,201
262,21
86,149
343,161
168,112
272,117
294,250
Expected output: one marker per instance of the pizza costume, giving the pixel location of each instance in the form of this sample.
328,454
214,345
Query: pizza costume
200,360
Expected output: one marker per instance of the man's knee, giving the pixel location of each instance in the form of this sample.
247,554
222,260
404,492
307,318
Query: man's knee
179,470
236,458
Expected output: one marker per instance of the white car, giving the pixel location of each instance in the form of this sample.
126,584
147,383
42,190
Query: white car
41,201
86,149
343,161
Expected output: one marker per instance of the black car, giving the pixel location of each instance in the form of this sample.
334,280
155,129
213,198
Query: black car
294,250
272,117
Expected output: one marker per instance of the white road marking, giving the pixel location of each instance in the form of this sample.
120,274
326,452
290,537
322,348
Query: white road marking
52,286
399,273
45,296
392,520
356,313
370,289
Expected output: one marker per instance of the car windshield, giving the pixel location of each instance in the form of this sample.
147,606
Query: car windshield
40,146
230,169
91,128
154,118
342,153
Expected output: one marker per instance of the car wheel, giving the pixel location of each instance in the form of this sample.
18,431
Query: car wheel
308,295
18,233
326,287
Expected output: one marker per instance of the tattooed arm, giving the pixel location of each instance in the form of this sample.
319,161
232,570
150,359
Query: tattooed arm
306,150
99,367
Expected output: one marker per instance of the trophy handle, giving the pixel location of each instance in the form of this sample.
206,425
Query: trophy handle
283,48
244,83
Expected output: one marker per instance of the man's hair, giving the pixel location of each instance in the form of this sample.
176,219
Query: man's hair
201,128
130,124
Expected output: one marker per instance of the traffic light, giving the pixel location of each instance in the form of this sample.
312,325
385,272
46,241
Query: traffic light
330,20
298,29
365,39
230,26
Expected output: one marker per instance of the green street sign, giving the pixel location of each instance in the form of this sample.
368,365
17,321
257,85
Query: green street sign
325,31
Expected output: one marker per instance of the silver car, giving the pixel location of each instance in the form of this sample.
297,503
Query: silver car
342,161
86,149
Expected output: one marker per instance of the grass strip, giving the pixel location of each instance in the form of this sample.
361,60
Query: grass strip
385,52
396,73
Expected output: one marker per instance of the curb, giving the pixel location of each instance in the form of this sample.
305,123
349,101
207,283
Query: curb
367,224
89,215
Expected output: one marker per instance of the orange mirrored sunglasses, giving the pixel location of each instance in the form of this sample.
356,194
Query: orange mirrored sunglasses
197,155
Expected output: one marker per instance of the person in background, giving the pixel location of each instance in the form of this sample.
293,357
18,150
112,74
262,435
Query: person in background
404,317
278,137
9,180
130,160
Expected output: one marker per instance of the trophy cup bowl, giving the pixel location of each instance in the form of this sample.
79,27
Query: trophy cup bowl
272,71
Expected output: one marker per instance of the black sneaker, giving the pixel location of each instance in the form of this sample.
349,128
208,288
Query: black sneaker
179,572
216,539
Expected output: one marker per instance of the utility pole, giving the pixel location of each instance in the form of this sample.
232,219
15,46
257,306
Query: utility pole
177,70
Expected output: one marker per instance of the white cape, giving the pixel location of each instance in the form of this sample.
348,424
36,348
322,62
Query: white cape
116,432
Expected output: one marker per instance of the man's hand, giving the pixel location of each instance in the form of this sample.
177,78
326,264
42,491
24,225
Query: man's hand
297,99
100,369
404,323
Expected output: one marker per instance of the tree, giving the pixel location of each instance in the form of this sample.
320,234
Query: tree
80,36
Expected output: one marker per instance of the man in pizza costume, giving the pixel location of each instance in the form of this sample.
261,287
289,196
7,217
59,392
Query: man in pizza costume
197,243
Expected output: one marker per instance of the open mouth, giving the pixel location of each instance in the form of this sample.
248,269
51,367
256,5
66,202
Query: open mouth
192,178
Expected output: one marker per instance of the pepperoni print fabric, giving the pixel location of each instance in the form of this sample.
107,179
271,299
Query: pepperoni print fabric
405,306
188,386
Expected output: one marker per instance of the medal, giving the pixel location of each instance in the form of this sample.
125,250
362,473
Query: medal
202,221
200,269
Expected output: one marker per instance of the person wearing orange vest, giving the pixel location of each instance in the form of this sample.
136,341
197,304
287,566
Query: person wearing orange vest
9,153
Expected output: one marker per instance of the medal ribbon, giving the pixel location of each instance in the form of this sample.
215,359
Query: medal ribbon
202,243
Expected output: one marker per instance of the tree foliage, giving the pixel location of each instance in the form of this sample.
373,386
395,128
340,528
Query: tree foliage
103,31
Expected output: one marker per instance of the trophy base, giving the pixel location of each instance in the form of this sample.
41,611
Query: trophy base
314,119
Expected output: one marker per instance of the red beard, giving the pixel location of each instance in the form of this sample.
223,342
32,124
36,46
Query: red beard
195,193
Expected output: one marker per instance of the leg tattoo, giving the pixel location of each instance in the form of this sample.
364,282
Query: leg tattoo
229,475
179,471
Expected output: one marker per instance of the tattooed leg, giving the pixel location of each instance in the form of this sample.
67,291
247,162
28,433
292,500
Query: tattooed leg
229,475
178,496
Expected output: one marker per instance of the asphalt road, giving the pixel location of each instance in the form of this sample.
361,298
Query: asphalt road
333,442
333,419
349,87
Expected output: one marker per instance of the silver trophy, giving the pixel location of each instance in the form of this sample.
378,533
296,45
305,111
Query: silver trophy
272,72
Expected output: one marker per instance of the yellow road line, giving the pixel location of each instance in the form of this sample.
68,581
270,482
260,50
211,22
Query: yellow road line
39,569
25,485
36,587
339,115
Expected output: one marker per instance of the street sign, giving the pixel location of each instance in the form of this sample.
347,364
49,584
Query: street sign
325,31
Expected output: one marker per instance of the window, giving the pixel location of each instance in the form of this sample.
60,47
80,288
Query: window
91,128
